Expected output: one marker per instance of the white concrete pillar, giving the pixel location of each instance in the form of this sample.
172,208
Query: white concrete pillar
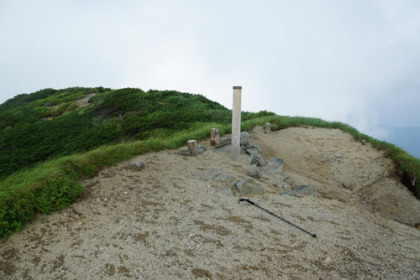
236,122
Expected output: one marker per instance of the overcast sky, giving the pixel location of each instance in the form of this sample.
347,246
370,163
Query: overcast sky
353,61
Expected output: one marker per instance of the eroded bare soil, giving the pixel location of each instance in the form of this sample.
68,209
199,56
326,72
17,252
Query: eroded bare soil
176,219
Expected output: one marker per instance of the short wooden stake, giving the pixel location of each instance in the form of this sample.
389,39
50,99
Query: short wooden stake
214,137
192,147
236,122
267,128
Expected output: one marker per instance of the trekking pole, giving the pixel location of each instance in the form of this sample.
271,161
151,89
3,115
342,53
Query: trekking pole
271,213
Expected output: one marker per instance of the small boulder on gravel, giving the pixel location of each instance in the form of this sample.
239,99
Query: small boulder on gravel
221,181
274,166
253,149
253,171
248,187
184,151
258,160
244,138
136,165
224,142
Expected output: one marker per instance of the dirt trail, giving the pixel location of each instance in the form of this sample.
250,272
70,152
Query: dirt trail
175,219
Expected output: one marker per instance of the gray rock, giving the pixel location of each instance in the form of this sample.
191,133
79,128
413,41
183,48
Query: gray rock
247,187
304,190
135,165
244,138
223,148
274,166
253,171
253,149
183,152
222,182
228,141
226,149
226,191
258,160
199,150
224,141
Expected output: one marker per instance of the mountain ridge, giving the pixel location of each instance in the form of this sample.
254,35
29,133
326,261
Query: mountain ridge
52,139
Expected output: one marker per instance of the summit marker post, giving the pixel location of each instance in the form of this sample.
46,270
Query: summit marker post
236,122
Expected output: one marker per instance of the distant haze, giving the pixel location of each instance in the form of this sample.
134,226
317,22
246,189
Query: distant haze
352,61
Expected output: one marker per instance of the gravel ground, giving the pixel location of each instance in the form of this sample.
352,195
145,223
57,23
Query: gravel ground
177,219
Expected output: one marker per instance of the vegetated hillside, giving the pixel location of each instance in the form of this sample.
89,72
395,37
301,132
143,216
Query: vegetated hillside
51,123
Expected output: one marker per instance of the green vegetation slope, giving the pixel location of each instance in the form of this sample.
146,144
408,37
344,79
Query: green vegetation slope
51,139
50,123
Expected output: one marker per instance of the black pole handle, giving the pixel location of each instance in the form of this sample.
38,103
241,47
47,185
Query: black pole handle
271,213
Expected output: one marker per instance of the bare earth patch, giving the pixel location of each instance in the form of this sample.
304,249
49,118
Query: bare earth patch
84,102
175,220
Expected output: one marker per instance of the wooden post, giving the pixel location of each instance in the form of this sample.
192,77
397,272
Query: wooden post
192,147
214,137
267,128
236,122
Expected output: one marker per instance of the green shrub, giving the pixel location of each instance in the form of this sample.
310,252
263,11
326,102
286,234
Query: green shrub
115,116
16,208
56,194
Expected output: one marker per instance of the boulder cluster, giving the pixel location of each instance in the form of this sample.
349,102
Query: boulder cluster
261,176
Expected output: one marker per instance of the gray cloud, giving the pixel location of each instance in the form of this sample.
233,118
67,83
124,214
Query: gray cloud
356,62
